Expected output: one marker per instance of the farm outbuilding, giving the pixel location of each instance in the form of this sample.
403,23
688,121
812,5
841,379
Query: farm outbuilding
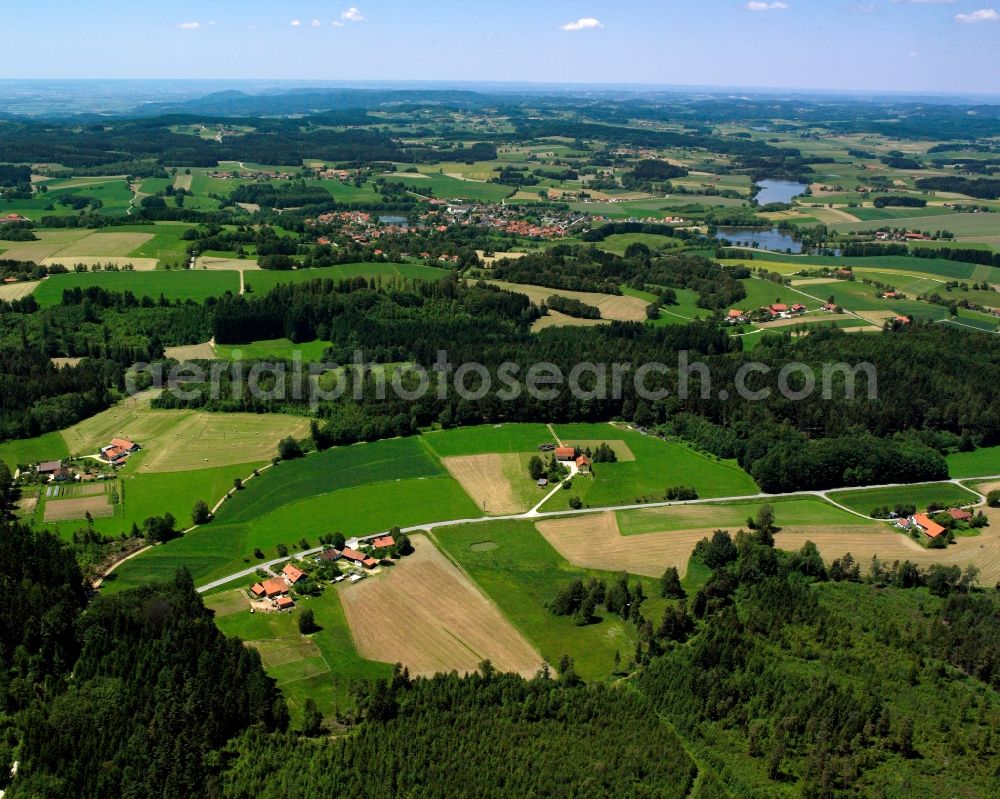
565,453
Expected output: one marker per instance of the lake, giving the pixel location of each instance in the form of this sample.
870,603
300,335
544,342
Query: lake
773,239
779,191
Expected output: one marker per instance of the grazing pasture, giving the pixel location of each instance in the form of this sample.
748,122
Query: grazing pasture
423,612
46,447
282,348
321,665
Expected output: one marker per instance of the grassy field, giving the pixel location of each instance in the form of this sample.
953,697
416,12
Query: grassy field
619,242
174,284
984,462
263,281
448,188
658,465
326,472
730,516
47,447
521,573
322,665
864,500
486,439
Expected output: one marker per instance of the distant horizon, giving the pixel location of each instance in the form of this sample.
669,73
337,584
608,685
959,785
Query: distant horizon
915,47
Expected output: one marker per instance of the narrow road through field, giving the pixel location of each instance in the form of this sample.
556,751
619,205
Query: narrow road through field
535,514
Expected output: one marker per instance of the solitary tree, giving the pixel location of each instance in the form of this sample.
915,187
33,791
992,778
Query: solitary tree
536,468
307,621
200,514
670,584
289,449
312,719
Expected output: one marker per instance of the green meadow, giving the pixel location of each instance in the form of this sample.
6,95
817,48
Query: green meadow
485,439
449,188
658,465
273,348
174,284
983,462
921,495
47,447
521,573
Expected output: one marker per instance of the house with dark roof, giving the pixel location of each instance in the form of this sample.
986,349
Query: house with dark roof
48,467
329,555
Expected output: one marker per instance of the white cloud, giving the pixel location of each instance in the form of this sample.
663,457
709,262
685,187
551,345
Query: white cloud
863,8
353,15
756,5
926,2
337,24
295,23
582,24
315,23
982,15
189,26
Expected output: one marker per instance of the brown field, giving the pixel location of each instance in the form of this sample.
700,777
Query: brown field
487,479
50,242
425,614
59,363
804,320
68,260
190,352
107,244
613,308
875,317
182,181
556,319
489,259
620,447
594,541
809,281
233,264
62,510
17,291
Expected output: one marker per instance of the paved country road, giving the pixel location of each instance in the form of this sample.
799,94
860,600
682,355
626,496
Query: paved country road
535,514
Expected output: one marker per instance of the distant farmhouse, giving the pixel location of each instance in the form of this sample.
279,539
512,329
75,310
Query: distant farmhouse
118,450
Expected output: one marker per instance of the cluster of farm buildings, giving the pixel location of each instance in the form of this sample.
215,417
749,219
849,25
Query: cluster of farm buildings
114,454
277,589
923,523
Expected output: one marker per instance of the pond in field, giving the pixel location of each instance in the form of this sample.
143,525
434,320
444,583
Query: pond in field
399,221
778,191
774,239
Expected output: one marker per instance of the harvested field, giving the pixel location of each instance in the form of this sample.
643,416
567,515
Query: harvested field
191,352
90,261
594,542
613,307
59,363
182,181
49,243
107,244
489,259
807,320
809,281
233,264
16,291
65,509
556,319
424,613
620,447
486,478
204,440
876,317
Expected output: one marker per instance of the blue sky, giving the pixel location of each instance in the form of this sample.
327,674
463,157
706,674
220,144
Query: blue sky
906,45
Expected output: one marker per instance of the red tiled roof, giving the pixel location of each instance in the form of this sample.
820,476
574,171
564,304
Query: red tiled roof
353,554
293,573
369,563
583,460
779,307
565,453
930,527
285,602
122,443
959,515
735,314
257,589
384,541
275,586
